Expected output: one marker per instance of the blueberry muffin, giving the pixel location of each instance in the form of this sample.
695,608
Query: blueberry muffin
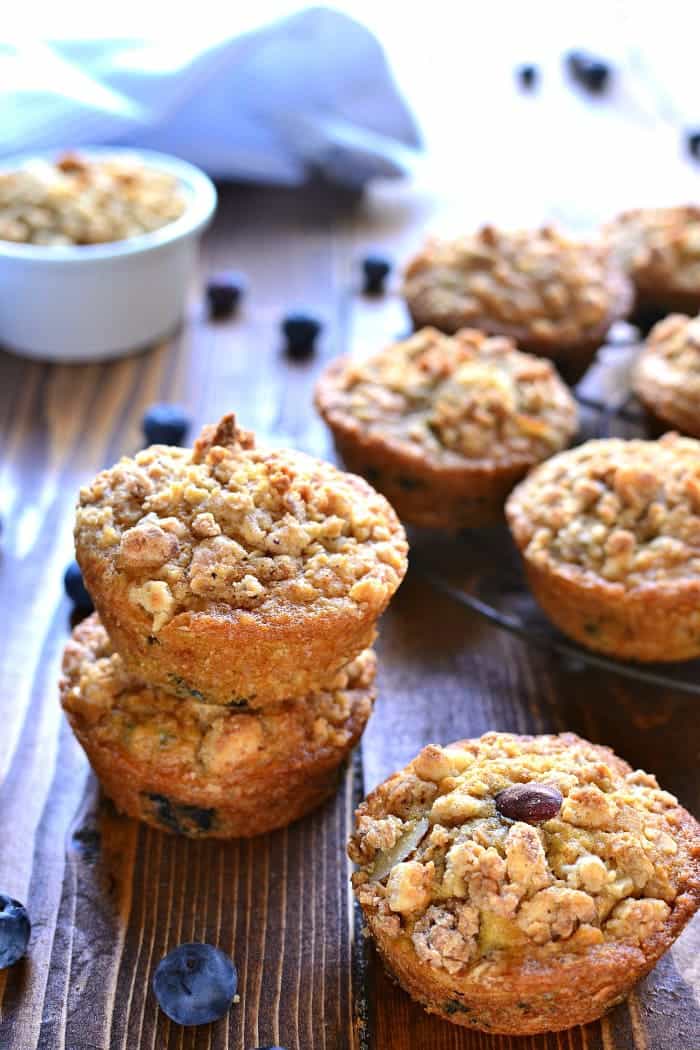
200,769
610,536
667,376
554,296
445,425
233,575
520,884
660,250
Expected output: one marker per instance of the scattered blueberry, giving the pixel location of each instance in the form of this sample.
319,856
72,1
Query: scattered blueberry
165,424
527,76
375,269
532,802
692,141
300,332
224,293
590,72
75,588
195,984
15,929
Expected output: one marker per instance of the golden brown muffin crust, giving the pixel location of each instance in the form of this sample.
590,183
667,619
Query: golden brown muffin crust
488,919
660,249
548,292
163,755
667,376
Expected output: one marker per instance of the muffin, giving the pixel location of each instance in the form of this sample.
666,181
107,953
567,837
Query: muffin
610,536
234,575
521,884
660,250
554,296
667,376
445,425
199,769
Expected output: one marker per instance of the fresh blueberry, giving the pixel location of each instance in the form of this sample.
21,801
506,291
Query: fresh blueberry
527,76
75,588
375,269
590,72
15,929
165,424
195,984
300,332
224,293
692,141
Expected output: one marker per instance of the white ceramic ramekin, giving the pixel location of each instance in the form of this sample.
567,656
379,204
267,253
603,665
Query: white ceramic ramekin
95,301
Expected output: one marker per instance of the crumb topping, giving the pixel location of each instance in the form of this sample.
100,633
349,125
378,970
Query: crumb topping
536,282
81,201
627,511
660,245
153,727
674,344
470,396
607,868
229,526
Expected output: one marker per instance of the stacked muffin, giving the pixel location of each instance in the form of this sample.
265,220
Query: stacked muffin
229,672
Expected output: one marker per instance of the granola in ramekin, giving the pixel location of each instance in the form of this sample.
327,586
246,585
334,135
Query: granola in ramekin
445,425
523,884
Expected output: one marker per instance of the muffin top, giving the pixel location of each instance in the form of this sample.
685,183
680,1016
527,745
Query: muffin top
514,847
674,345
469,397
82,201
190,739
659,245
626,512
530,284
227,527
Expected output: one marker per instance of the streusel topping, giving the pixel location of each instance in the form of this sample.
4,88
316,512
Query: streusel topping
440,865
229,525
532,281
675,341
470,396
81,201
124,713
627,511
660,243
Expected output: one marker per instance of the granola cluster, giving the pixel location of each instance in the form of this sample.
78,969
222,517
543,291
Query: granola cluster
440,865
536,283
81,201
155,729
231,525
659,246
470,396
626,511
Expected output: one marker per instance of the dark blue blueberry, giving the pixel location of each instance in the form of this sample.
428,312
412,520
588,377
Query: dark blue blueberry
15,929
75,588
269,1048
224,292
692,141
300,332
165,424
527,76
590,72
195,984
375,269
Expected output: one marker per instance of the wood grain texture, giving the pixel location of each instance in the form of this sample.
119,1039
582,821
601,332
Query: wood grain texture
108,897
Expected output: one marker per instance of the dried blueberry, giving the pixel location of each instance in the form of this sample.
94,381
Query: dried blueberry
375,269
590,72
75,588
224,293
15,929
532,803
527,76
165,424
195,984
300,332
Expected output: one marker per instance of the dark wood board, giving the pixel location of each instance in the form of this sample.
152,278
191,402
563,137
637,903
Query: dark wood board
108,897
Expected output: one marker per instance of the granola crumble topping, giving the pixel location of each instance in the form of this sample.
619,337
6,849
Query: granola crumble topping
660,245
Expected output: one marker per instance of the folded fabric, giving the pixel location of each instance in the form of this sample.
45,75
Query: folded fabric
312,92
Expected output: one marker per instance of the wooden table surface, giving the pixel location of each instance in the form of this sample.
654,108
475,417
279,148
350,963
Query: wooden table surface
109,897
